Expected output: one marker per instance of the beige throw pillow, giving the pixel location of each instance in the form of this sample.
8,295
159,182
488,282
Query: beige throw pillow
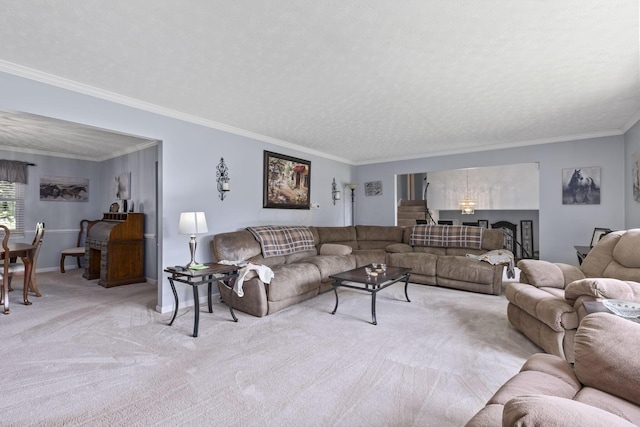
335,249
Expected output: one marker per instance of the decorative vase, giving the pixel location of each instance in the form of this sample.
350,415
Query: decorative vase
124,205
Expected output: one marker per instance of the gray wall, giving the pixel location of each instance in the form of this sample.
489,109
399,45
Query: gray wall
632,148
187,158
62,218
190,152
560,226
142,165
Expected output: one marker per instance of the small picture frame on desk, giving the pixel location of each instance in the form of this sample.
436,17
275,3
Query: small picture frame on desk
598,233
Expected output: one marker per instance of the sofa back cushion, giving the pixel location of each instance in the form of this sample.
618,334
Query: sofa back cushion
378,236
627,251
600,255
606,356
234,246
338,235
492,239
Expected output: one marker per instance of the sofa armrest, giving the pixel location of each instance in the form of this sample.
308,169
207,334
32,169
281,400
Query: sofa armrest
399,248
550,411
546,274
601,288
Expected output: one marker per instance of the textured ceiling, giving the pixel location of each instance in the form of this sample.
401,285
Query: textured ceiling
362,81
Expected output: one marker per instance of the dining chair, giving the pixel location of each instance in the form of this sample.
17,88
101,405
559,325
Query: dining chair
8,268
19,267
78,251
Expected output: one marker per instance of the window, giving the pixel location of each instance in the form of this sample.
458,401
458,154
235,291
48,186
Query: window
12,206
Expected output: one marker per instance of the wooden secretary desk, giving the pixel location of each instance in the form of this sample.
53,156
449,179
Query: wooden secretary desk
114,250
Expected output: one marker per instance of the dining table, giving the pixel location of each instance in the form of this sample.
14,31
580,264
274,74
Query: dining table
24,251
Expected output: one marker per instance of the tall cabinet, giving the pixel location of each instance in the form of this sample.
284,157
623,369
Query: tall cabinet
114,250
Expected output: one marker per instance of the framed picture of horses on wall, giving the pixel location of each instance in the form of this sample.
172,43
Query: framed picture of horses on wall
581,186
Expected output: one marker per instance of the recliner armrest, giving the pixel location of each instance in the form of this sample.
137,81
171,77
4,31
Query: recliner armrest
602,287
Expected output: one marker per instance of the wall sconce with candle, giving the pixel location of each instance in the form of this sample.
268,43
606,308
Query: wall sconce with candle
335,193
222,173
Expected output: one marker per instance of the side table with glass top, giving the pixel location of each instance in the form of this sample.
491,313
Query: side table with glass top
210,274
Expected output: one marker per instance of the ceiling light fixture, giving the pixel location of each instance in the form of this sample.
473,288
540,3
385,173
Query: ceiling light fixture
467,205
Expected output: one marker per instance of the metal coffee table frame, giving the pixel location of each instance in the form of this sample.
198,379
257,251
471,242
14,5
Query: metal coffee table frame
358,279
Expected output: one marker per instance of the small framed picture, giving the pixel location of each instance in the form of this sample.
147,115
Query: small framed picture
484,223
373,188
597,235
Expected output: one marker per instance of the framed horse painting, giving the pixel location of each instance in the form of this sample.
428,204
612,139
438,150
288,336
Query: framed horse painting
581,186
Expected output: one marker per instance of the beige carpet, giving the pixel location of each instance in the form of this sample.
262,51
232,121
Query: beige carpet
85,355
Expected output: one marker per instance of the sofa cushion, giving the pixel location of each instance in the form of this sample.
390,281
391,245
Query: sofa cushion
627,251
340,235
619,271
430,250
296,257
462,268
234,246
610,403
533,382
602,355
332,264
292,279
400,248
492,239
419,263
600,255
377,236
335,249
541,273
552,411
364,257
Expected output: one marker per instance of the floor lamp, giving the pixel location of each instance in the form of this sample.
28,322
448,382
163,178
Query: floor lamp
353,187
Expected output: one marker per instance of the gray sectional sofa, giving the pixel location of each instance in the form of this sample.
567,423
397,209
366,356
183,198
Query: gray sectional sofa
302,275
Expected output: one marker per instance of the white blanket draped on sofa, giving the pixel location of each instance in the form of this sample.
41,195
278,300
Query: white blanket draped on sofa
498,256
264,273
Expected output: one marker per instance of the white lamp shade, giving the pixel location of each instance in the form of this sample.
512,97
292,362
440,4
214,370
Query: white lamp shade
192,223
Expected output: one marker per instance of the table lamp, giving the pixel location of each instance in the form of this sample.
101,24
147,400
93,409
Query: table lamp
192,223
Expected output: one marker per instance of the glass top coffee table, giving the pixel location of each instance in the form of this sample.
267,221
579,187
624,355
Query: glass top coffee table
358,279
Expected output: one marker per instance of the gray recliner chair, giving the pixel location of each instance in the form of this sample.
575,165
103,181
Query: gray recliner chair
546,305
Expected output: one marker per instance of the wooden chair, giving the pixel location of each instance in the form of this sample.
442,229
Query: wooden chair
19,267
4,274
78,251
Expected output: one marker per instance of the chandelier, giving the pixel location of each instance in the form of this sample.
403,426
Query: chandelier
467,205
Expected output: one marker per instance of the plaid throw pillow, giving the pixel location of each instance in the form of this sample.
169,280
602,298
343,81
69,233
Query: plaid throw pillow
282,240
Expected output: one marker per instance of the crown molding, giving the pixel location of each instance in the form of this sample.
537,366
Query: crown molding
61,82
499,146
